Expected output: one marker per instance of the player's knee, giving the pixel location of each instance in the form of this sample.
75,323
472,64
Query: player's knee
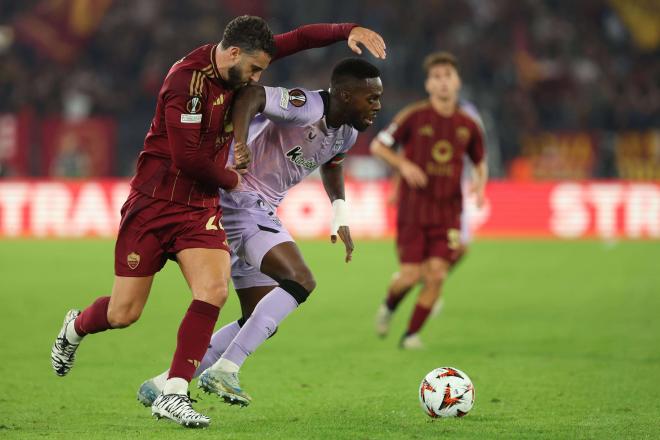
410,276
435,277
299,292
211,291
122,318
301,276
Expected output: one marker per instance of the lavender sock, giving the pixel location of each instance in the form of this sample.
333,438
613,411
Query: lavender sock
271,310
219,343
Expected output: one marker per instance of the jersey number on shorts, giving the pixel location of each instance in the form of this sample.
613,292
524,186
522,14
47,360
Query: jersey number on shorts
211,227
453,239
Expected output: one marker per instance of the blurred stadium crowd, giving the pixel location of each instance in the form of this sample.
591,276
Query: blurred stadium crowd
530,66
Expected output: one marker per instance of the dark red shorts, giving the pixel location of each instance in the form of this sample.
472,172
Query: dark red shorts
416,244
153,230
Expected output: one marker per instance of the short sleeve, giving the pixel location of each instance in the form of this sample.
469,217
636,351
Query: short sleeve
183,99
349,140
398,132
297,106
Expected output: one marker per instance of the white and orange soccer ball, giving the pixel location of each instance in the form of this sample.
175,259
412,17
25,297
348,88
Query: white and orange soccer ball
446,392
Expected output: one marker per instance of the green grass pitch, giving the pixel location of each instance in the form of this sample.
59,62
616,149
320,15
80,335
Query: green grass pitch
562,340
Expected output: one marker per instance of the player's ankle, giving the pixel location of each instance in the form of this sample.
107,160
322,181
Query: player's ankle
226,365
71,335
175,385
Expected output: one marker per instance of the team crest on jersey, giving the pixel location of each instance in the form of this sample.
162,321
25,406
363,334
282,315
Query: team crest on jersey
426,130
194,105
442,151
133,260
339,144
297,97
463,134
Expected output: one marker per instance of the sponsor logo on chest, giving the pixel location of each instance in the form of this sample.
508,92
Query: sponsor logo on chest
295,155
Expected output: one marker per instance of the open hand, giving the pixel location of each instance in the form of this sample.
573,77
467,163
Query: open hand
369,39
413,174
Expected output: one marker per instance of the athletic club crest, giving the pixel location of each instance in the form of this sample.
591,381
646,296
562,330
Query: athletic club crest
133,260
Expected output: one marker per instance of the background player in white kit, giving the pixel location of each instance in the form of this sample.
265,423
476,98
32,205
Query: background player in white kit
296,132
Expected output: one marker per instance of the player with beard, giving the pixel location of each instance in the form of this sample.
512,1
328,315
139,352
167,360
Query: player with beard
296,132
172,210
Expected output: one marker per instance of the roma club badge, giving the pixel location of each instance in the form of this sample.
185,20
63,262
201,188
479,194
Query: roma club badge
133,260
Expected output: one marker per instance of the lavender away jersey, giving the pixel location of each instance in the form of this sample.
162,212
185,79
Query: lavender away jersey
289,140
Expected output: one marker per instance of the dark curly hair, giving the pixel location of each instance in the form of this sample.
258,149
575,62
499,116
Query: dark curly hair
250,33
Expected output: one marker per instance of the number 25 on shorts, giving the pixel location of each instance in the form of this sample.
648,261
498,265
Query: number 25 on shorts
210,224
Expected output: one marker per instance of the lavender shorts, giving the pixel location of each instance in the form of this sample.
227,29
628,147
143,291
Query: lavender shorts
252,229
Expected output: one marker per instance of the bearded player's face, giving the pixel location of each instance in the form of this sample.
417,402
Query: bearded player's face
248,68
365,103
443,82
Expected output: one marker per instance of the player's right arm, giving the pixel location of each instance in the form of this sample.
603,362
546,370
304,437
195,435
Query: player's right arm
383,146
319,35
184,106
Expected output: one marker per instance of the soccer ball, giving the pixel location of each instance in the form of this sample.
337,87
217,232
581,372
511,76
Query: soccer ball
446,392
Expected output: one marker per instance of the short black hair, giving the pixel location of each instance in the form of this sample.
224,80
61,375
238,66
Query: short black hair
351,69
250,33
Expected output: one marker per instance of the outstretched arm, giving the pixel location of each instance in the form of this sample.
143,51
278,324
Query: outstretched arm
332,174
319,35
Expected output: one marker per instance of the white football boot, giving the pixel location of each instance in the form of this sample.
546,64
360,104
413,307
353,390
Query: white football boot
178,408
383,320
63,352
411,342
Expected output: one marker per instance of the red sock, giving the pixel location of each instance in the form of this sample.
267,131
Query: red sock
93,319
193,339
417,319
394,298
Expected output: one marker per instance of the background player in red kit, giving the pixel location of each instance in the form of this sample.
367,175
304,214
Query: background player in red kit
435,134
173,210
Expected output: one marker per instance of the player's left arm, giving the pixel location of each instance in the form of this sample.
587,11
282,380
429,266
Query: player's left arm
332,175
319,35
